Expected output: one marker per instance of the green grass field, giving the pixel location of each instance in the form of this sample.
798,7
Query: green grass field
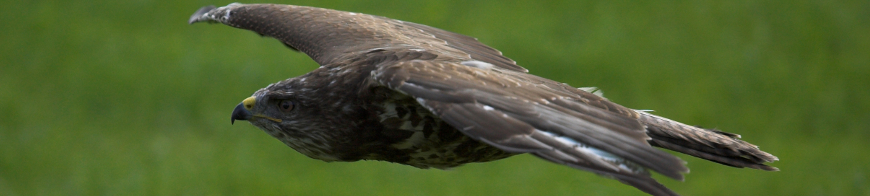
125,98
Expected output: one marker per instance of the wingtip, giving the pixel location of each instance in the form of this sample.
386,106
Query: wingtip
198,15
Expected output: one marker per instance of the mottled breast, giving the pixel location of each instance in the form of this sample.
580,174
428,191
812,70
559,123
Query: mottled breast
426,140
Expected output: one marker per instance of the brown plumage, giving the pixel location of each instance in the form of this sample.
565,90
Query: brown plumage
412,94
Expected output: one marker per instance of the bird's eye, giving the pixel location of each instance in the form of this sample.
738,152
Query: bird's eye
285,105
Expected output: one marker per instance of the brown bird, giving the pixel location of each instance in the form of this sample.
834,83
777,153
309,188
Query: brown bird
412,94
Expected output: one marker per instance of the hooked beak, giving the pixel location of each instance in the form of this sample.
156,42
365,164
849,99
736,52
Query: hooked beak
242,112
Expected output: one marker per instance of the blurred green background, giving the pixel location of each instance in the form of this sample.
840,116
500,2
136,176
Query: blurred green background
125,98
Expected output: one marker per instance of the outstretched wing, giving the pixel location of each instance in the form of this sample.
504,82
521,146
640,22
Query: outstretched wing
329,35
522,113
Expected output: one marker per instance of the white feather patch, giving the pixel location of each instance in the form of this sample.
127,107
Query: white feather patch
477,64
593,90
620,163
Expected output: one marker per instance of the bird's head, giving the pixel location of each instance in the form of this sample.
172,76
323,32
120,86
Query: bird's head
294,114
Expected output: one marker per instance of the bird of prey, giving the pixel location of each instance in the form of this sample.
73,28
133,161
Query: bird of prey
412,94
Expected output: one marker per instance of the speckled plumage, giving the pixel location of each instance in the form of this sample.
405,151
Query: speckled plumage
412,94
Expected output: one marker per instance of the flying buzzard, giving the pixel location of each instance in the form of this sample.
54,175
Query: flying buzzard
412,94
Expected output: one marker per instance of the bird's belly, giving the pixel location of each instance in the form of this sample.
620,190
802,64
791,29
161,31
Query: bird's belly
447,154
421,139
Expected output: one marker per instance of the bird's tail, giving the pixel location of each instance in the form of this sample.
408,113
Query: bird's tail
714,145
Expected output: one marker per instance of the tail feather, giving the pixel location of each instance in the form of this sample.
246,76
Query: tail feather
714,145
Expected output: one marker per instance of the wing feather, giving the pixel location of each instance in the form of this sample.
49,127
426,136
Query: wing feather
328,35
524,117
471,46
